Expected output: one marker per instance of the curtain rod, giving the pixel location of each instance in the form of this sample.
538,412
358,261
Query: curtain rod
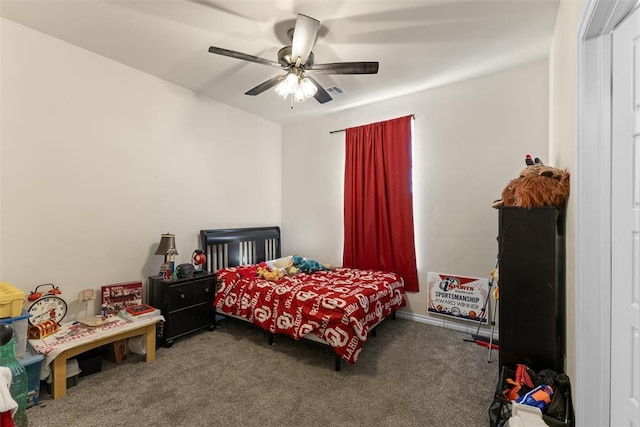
413,116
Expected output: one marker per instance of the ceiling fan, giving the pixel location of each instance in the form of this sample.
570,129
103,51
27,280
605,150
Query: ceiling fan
297,60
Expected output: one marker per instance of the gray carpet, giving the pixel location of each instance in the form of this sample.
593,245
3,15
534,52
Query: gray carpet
410,374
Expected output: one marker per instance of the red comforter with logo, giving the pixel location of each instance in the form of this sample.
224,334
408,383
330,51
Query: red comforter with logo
339,306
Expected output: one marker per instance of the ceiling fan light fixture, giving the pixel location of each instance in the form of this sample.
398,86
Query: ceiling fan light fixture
280,90
300,88
290,83
299,95
308,87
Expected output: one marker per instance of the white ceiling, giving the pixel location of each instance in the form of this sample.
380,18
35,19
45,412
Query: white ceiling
419,44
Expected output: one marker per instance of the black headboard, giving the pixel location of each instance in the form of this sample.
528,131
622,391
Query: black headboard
230,247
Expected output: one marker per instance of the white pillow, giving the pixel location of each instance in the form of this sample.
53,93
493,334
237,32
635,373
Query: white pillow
279,262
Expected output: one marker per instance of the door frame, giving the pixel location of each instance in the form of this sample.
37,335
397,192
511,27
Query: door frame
592,382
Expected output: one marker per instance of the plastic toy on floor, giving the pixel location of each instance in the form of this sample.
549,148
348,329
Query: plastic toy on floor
512,391
522,376
539,397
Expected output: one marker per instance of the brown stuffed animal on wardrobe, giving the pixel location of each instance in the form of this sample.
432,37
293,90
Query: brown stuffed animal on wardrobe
537,186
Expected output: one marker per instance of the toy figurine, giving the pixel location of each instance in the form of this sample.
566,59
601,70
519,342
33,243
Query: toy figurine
163,269
171,260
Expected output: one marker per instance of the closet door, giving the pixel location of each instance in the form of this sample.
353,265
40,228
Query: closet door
532,294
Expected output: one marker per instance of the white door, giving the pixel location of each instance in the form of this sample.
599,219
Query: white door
625,229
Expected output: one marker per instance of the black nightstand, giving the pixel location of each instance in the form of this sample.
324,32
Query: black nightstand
186,304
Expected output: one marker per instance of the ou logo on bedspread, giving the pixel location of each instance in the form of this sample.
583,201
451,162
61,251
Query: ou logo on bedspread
245,302
284,321
332,303
398,297
305,328
336,337
364,302
357,326
230,300
222,287
305,295
283,289
263,313
379,310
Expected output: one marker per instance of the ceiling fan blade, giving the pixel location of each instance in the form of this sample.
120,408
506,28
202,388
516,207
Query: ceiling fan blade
345,68
265,85
321,95
243,56
304,37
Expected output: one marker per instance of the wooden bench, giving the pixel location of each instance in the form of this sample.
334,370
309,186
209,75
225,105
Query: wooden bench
57,349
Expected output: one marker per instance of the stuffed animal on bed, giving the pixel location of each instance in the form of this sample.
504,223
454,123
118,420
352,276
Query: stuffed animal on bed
307,265
272,275
293,264
250,271
537,186
284,265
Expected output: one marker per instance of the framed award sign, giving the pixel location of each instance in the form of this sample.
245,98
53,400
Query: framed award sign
461,297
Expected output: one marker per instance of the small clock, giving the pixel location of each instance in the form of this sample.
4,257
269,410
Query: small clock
46,306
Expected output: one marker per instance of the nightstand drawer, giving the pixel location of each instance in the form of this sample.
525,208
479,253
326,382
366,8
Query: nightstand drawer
189,320
180,296
203,291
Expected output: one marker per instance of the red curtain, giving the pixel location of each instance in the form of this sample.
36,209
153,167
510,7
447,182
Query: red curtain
378,201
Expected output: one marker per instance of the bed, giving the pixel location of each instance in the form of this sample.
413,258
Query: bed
338,307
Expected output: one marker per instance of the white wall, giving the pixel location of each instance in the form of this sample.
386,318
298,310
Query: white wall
470,139
562,141
99,159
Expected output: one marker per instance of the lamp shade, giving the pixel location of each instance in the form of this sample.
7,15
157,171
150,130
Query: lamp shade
167,242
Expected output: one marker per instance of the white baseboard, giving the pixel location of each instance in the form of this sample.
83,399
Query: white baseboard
467,327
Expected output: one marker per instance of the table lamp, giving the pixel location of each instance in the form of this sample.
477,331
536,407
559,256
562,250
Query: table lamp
167,247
